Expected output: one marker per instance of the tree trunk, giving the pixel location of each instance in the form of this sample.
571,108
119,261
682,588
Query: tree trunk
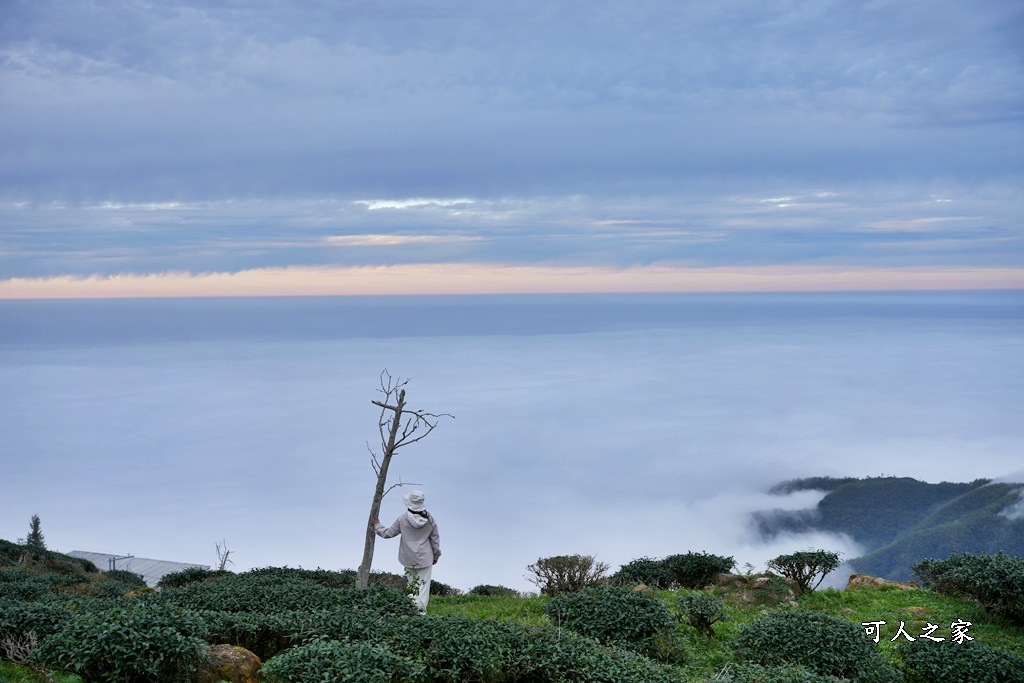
363,575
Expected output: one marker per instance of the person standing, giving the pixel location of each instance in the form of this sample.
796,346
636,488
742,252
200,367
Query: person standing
420,545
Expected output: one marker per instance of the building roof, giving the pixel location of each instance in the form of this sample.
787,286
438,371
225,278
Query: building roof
150,570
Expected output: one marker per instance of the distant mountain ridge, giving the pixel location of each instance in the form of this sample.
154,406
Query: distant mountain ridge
900,520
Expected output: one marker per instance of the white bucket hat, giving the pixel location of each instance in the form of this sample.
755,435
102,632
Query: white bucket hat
414,500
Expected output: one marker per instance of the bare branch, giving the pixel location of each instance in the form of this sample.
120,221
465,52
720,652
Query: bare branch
374,463
400,483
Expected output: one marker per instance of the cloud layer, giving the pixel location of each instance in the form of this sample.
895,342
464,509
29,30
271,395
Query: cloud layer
619,426
151,138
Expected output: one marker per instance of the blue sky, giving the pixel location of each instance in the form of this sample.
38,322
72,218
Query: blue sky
179,148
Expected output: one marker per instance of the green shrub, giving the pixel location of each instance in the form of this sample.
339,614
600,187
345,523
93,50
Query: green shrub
262,591
377,600
456,648
43,617
566,573
556,656
390,580
12,553
128,578
135,641
443,590
756,673
927,661
190,575
825,644
263,634
337,662
996,581
805,565
701,611
28,584
17,584
612,614
487,590
696,570
645,570
345,578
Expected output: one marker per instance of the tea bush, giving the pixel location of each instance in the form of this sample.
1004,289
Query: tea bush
130,579
391,580
612,614
805,565
263,634
696,570
562,657
443,590
645,570
133,641
566,573
44,617
376,600
190,575
487,590
345,578
756,673
701,611
948,662
337,662
825,644
455,648
17,584
261,591
996,581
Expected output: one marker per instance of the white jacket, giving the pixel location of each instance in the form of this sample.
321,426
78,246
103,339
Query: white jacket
421,545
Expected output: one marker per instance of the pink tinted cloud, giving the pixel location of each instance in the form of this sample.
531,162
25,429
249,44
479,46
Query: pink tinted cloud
506,279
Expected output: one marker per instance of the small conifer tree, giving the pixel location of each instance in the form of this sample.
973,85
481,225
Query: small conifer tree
34,541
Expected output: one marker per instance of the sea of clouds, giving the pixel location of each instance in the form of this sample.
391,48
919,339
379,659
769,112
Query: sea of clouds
616,430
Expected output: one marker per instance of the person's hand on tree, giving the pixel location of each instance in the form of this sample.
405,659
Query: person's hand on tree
374,521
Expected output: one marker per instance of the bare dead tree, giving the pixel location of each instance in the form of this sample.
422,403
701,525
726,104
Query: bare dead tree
398,426
223,555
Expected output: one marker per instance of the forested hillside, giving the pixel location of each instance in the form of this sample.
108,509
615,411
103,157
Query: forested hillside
900,521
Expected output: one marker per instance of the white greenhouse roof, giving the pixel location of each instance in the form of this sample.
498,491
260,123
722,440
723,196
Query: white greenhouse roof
150,570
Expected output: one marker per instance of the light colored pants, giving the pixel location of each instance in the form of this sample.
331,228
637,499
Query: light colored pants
421,593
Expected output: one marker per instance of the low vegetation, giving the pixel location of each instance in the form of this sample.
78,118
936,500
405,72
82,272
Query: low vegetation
61,619
805,566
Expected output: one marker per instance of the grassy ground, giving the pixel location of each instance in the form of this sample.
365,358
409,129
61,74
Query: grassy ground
707,656
9,673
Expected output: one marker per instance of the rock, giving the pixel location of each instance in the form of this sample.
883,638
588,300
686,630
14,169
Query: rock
732,581
865,581
230,663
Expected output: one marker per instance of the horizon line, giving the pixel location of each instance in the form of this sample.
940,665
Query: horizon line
489,279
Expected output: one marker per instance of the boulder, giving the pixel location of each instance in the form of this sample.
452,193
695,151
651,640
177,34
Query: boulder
230,663
865,581
762,589
732,581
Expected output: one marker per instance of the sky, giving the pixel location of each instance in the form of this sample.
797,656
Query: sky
162,149
185,150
